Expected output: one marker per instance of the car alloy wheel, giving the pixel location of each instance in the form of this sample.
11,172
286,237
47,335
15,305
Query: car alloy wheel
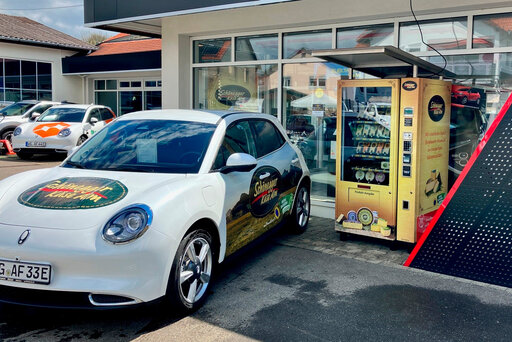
195,270
301,211
81,140
8,136
191,272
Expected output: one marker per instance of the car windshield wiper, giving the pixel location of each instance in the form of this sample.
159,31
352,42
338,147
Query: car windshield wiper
75,164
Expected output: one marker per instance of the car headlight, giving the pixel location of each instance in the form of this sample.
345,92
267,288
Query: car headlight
17,131
65,132
129,224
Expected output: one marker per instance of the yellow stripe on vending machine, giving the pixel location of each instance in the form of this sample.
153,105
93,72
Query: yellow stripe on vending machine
391,171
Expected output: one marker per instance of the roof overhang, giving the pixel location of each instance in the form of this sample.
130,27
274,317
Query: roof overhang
145,17
383,62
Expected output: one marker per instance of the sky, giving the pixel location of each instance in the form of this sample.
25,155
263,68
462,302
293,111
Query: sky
68,19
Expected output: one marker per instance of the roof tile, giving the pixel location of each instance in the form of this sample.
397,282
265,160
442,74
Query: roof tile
24,30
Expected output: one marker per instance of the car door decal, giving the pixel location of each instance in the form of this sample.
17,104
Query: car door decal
74,193
264,191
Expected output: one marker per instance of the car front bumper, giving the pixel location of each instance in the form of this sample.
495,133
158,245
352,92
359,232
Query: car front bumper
86,270
52,144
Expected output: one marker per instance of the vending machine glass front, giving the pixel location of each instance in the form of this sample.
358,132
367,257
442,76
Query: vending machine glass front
366,180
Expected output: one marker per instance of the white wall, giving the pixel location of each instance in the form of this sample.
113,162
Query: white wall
176,31
63,87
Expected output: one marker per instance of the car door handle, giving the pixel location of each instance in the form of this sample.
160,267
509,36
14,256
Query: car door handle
265,175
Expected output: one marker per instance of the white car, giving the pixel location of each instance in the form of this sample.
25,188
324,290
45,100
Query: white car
146,208
60,129
19,113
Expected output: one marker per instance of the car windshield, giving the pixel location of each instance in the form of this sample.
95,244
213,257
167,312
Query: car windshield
15,109
62,115
160,146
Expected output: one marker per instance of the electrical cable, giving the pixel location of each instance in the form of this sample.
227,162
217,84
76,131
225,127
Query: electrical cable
427,44
38,9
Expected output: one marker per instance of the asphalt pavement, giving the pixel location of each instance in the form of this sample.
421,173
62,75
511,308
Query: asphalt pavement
311,287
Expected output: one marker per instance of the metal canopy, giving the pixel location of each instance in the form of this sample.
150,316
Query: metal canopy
383,62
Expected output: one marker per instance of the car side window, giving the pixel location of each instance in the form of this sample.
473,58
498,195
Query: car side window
267,137
106,114
238,139
43,108
95,113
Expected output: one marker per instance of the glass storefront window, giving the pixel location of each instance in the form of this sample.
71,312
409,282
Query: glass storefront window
107,98
111,84
492,31
248,88
44,76
130,101
309,116
99,84
212,50
300,44
153,100
365,36
255,48
12,73
28,76
444,34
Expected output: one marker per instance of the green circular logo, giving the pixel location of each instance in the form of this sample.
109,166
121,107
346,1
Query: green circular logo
74,193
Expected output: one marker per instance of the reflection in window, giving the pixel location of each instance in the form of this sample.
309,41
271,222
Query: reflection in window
153,100
44,76
365,36
130,101
107,98
12,73
28,76
309,112
492,31
300,44
254,48
445,34
248,88
212,50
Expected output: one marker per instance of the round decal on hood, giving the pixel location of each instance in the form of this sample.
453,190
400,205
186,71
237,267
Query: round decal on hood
74,193
264,192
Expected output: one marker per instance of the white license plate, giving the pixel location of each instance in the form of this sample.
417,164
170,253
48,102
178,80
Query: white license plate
25,272
35,144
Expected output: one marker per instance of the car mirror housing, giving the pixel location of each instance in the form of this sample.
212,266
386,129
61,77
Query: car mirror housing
93,121
239,162
34,115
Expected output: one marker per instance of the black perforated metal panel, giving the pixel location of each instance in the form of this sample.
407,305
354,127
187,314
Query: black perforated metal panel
473,236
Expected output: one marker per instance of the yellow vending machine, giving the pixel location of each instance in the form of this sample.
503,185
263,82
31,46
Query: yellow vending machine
393,141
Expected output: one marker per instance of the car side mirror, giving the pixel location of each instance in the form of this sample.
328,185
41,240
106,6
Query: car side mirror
34,116
93,121
239,162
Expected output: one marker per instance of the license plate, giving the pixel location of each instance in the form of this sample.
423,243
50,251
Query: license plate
35,144
25,272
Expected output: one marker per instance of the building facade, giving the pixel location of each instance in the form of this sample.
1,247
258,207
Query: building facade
256,56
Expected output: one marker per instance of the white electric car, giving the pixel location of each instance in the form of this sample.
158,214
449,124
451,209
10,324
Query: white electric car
60,129
146,208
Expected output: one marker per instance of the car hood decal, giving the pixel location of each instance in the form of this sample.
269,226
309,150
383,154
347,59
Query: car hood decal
74,193
49,129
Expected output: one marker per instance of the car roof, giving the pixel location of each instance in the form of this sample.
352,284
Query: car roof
206,116
77,106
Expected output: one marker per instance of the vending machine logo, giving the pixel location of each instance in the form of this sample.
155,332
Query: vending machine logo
409,86
436,108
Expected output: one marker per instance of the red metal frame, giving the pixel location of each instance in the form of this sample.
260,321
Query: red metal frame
459,180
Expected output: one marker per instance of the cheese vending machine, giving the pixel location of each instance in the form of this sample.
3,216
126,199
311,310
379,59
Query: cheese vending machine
393,142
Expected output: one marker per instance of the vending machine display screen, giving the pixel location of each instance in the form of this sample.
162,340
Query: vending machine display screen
366,127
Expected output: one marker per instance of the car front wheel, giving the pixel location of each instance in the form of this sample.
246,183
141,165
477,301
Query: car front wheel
301,209
191,271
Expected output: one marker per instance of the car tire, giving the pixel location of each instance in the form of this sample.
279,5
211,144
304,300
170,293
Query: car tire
299,219
464,100
81,140
24,155
191,272
7,135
